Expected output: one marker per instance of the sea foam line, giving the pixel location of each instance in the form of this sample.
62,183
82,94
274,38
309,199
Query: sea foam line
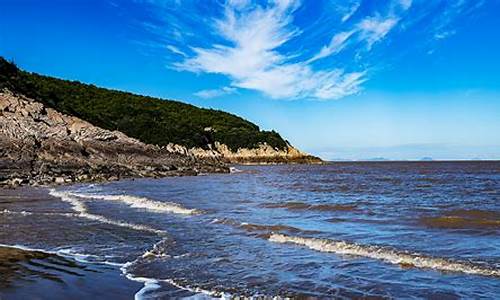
387,255
30,213
80,208
151,284
141,202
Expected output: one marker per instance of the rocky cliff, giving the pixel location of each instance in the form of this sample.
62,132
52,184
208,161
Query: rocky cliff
264,154
39,145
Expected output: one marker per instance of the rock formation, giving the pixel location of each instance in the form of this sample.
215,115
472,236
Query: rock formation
39,145
264,154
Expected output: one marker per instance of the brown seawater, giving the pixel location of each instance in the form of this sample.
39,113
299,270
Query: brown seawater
343,230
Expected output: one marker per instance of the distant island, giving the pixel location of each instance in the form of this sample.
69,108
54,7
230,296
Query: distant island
55,130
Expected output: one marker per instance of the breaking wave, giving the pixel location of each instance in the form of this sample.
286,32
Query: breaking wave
81,210
141,202
385,254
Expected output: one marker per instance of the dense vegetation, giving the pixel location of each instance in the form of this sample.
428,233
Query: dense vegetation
148,119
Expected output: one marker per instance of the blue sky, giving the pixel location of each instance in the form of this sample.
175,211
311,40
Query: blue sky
347,79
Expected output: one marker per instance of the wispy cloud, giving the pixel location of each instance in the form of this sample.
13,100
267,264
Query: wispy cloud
373,29
214,93
176,50
252,60
351,11
338,42
370,31
259,45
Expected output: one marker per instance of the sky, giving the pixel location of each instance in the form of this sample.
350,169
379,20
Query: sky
350,79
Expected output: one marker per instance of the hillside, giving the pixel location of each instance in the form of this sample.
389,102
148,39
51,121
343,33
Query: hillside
150,120
39,145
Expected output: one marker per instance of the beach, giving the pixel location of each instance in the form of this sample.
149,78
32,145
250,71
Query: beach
349,230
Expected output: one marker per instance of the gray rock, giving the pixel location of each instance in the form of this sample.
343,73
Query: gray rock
40,145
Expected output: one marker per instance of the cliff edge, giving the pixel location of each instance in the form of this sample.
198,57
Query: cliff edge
263,154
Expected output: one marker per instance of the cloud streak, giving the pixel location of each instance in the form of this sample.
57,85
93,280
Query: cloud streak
251,59
259,46
214,93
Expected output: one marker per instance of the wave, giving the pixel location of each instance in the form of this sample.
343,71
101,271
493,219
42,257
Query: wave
151,284
315,207
260,228
141,202
392,256
81,210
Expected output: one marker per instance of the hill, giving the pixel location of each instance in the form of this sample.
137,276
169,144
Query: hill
150,120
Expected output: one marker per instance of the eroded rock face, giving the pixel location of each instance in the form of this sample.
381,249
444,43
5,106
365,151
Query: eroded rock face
264,154
39,145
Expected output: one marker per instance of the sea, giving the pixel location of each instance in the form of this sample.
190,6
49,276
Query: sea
340,230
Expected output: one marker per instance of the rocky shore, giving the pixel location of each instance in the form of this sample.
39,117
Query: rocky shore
262,155
40,146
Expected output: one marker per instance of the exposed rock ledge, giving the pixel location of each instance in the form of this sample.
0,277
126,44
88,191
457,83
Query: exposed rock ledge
265,154
39,145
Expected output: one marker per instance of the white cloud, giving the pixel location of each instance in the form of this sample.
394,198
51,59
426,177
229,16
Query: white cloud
176,50
373,29
369,30
252,60
338,42
208,94
444,34
352,10
405,4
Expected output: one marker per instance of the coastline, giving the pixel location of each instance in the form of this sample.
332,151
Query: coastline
159,266
27,270
41,146
28,273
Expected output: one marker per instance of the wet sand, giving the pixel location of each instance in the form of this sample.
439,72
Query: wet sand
38,275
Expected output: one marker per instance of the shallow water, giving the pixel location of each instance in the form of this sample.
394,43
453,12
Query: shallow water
341,230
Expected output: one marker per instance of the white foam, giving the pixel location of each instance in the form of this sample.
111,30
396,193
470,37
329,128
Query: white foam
30,213
81,210
151,284
142,203
26,248
10,212
385,254
86,258
233,170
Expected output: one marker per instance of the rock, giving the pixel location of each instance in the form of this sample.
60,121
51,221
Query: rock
59,180
264,154
40,145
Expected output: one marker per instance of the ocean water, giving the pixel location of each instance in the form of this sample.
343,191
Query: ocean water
343,230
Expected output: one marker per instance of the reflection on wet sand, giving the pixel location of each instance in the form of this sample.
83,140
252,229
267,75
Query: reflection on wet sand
17,264
32,274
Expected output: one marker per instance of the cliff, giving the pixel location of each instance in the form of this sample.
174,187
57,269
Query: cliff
263,154
39,145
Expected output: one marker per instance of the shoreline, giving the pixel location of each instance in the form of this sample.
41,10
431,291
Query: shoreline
29,270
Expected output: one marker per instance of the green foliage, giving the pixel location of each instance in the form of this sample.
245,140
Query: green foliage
151,120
